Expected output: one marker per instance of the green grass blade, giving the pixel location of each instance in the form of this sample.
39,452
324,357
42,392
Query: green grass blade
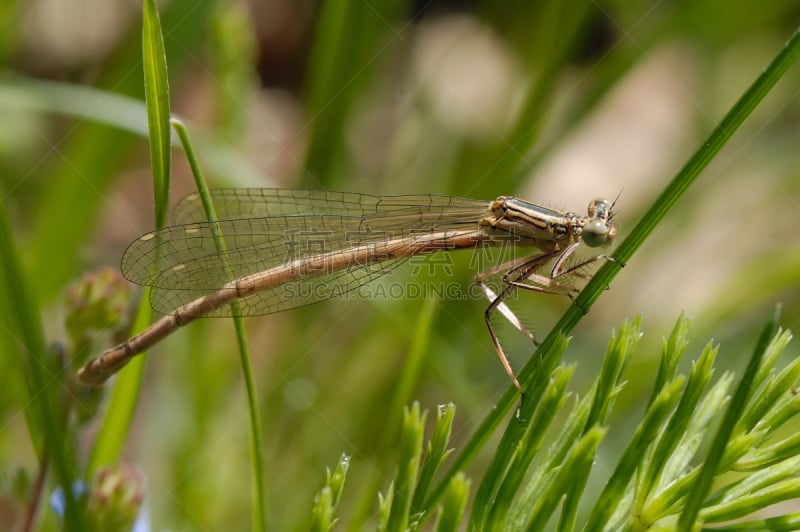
129,115
435,454
45,421
116,424
453,505
322,517
528,447
323,510
385,508
336,479
619,351
702,486
678,425
156,95
256,457
507,448
671,354
577,465
609,383
408,462
784,490
633,456
544,473
783,523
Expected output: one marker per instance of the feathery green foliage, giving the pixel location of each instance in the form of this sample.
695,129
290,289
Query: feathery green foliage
658,474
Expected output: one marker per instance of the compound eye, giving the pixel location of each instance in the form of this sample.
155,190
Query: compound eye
600,208
595,233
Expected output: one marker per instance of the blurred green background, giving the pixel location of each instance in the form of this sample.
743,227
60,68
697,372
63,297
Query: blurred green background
555,104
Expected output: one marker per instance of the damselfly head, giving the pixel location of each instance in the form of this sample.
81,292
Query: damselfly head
598,229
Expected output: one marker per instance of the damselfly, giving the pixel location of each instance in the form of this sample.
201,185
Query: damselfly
279,242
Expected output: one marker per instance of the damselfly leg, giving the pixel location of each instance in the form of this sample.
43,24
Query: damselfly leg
523,273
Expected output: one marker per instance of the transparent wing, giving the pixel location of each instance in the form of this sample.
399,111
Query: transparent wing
182,262
233,203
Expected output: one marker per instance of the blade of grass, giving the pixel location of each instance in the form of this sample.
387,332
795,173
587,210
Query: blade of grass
116,424
609,382
120,112
44,419
543,473
668,446
528,447
156,97
577,465
661,206
783,523
257,461
408,462
634,455
435,454
702,486
453,505
507,449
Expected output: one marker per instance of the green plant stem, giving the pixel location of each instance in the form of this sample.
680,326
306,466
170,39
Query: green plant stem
259,490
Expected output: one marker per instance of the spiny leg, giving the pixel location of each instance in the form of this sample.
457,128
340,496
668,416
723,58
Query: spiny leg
521,268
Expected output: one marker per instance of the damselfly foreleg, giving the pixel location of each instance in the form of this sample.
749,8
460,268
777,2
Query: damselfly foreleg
522,273
548,284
